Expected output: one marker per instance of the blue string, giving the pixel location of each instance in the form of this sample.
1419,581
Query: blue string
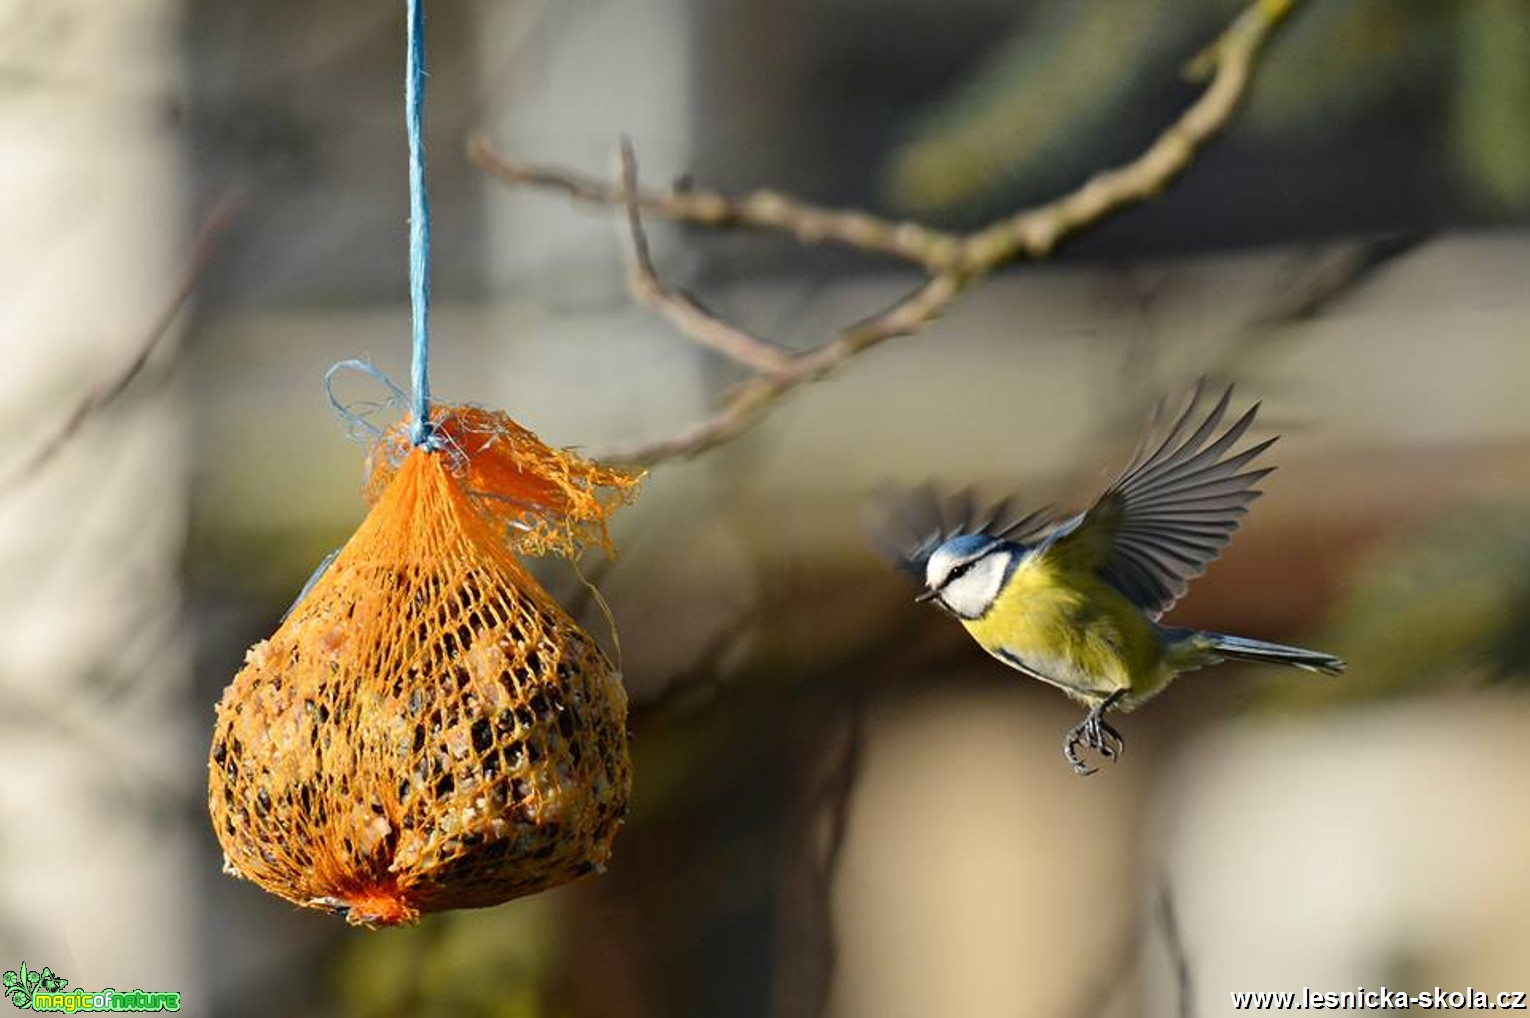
355,414
419,224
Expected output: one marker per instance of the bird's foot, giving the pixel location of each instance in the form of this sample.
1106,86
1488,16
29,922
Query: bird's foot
1097,734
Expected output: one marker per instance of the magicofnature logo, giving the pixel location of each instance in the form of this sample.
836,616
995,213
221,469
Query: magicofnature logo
44,991
22,987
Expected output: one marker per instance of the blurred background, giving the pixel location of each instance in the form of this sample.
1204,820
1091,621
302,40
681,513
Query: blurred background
842,807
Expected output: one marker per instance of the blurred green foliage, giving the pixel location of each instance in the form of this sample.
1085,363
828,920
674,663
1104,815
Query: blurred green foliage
1492,100
1061,77
1052,92
492,963
1446,604
1334,60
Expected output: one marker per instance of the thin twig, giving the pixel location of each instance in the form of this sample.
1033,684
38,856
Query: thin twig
1324,277
952,262
807,951
699,680
208,233
752,397
809,224
1103,990
1174,942
684,311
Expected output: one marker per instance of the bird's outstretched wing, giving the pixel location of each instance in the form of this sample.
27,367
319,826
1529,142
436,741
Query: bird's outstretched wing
1172,510
907,526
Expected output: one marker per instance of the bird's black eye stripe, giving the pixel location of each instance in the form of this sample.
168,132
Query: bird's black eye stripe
958,572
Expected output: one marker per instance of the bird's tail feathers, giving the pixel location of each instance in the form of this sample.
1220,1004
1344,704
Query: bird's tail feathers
1241,648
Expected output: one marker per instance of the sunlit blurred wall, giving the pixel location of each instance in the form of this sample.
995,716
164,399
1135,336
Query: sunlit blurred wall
981,877
93,879
1361,848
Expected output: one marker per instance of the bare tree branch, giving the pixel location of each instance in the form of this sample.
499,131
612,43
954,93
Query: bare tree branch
761,210
952,262
1228,63
776,370
685,312
213,225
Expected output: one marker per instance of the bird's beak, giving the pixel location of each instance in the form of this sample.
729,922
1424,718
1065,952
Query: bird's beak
925,597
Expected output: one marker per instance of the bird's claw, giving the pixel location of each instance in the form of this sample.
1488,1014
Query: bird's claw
1097,734
1070,750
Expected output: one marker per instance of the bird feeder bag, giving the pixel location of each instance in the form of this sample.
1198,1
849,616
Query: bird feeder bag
428,729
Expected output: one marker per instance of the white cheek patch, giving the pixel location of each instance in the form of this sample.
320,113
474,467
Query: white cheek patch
971,594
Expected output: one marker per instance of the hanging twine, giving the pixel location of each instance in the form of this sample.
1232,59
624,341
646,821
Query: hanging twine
419,225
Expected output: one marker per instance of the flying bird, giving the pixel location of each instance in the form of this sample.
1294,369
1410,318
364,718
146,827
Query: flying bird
1076,603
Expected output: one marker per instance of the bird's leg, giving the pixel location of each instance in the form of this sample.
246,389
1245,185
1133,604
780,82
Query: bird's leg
1096,733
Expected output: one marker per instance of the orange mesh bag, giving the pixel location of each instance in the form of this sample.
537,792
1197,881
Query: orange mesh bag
428,729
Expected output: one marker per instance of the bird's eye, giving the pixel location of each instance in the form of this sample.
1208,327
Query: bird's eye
959,572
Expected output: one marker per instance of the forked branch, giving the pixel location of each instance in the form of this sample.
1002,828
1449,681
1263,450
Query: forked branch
951,262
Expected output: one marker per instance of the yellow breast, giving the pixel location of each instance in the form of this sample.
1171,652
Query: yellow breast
1074,631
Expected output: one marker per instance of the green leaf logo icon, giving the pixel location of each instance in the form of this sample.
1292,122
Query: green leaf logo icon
23,985
19,986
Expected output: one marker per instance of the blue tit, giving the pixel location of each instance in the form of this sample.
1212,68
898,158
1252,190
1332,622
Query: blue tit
1076,603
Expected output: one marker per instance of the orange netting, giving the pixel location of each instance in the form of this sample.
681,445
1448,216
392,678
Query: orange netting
545,499
428,729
